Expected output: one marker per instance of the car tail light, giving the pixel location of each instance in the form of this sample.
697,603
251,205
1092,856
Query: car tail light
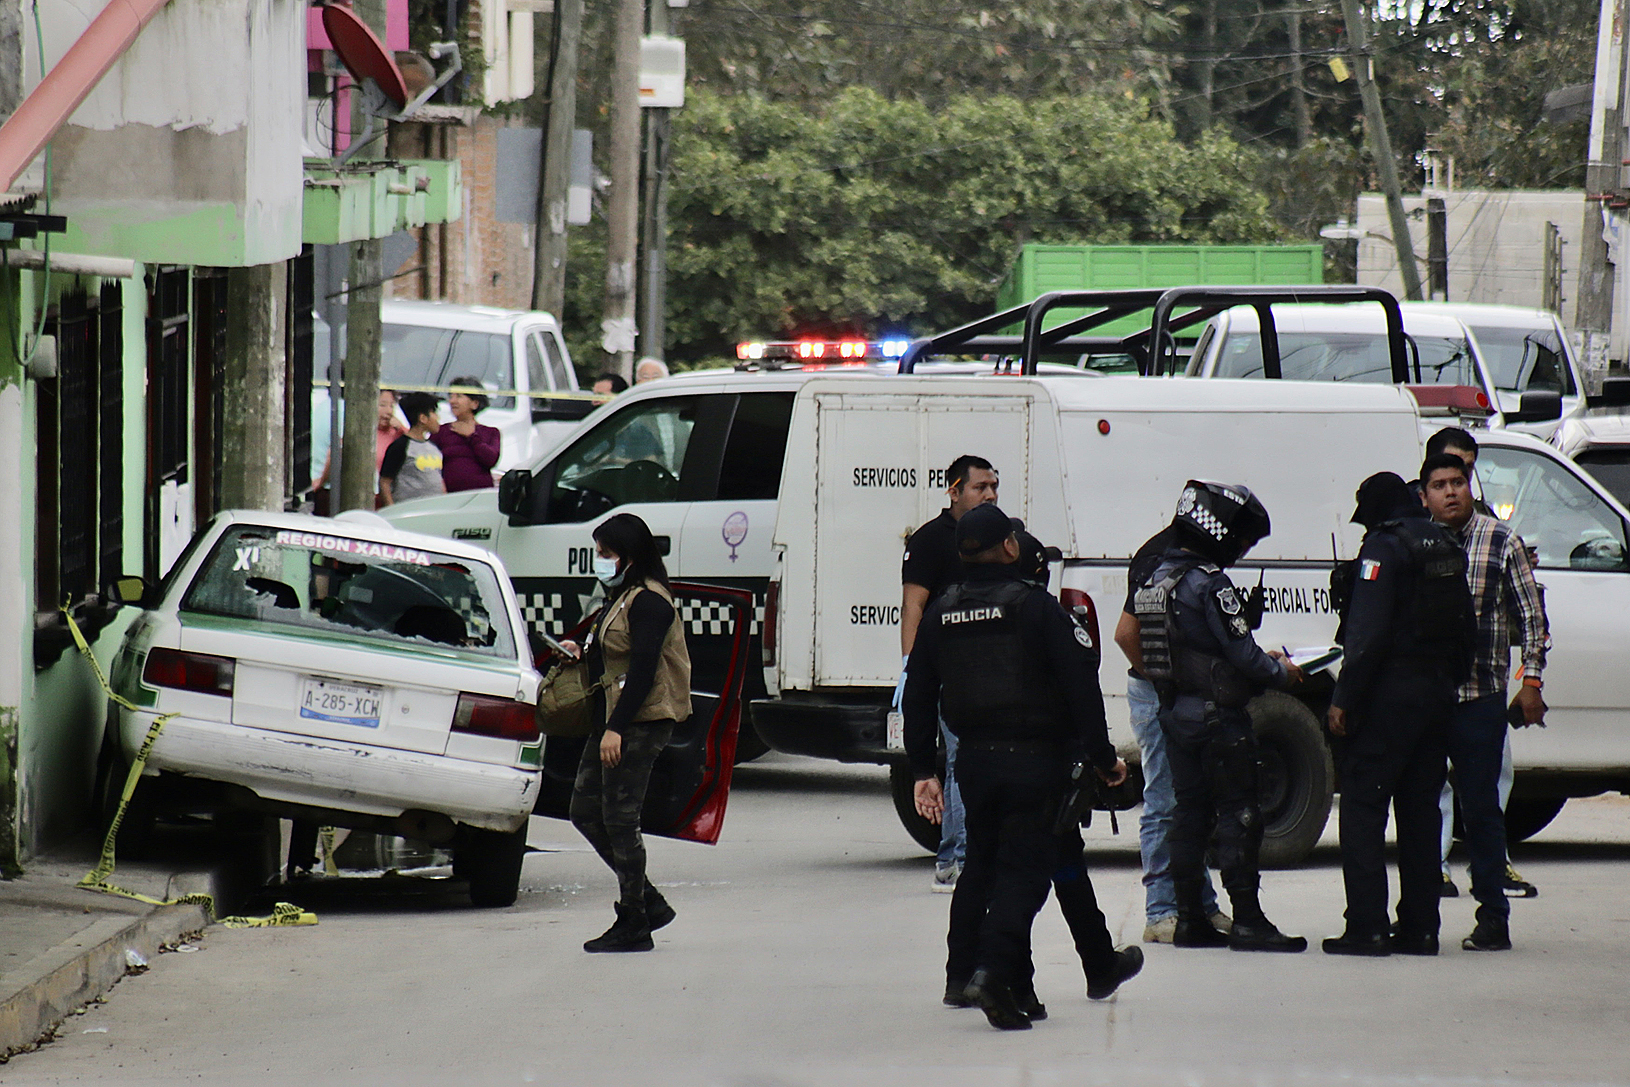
483,715
1081,608
189,671
772,605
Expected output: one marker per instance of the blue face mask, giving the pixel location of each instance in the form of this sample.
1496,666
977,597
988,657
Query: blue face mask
606,570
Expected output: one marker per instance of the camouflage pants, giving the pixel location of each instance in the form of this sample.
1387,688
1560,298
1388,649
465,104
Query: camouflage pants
606,803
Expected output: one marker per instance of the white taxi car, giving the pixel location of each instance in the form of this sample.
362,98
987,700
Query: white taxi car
341,673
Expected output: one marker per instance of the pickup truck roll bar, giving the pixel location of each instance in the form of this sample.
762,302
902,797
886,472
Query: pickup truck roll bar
1153,346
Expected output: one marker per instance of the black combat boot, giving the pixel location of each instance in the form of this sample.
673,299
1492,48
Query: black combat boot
632,932
997,1001
657,910
1254,932
1194,928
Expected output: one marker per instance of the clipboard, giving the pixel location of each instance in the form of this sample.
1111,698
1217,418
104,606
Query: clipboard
1317,658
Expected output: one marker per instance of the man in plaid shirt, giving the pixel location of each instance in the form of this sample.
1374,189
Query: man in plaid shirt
1504,595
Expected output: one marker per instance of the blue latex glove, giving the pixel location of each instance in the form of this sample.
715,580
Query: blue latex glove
897,705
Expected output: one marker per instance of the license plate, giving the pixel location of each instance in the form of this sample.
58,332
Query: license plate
341,703
897,731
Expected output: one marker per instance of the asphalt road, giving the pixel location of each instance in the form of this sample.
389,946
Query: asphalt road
809,950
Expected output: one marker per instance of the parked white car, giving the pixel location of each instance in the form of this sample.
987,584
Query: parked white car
1524,350
341,673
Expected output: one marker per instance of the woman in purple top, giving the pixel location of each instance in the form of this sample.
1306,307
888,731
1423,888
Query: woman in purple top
468,449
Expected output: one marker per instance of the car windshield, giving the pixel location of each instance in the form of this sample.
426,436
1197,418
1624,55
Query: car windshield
330,583
1348,356
1524,359
417,357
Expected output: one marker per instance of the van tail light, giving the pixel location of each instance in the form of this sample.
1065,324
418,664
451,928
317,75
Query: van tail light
483,715
189,671
1083,611
772,606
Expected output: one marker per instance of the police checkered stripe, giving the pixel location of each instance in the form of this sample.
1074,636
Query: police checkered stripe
1207,521
542,611
711,617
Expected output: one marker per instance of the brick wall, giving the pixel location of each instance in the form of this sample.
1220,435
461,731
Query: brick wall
475,260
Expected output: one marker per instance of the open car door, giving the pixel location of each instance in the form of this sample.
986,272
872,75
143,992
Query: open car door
690,782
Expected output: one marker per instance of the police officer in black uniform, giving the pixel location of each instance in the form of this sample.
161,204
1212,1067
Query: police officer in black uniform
1016,685
1199,653
1407,631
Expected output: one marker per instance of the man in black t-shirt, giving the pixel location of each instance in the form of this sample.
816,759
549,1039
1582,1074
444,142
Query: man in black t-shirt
932,564
1159,797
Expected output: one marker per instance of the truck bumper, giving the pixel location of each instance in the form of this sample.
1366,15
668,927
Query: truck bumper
848,731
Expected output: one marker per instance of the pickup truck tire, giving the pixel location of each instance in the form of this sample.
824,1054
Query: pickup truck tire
1526,816
1296,778
491,861
902,785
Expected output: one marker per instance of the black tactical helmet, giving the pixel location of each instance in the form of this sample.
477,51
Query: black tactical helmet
1222,521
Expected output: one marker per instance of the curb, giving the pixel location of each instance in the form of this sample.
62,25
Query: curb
41,994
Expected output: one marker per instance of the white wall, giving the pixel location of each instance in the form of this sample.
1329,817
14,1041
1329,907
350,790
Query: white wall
1496,244
188,150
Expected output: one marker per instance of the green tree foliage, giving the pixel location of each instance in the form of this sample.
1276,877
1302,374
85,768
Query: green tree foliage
929,50
874,216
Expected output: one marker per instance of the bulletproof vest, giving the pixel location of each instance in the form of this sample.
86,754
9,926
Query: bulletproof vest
1172,662
987,679
1443,624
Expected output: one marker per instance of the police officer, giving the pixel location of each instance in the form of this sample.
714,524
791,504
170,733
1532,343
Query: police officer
1199,653
1015,684
1408,634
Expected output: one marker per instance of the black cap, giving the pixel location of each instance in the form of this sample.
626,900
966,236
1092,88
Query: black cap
981,529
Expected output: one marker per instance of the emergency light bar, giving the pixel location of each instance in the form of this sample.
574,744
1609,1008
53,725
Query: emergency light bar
852,352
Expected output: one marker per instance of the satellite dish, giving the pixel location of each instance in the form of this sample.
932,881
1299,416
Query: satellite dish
384,92
363,54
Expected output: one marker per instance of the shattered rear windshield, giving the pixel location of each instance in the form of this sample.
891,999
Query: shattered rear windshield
338,584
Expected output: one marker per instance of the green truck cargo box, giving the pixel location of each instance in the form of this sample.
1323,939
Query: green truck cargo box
1044,268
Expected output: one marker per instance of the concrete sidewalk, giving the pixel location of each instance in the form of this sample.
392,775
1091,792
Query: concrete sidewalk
62,947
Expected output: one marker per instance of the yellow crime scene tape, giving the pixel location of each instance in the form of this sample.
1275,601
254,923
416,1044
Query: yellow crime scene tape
97,879
594,398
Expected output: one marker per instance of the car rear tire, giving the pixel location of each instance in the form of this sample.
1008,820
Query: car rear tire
1295,779
902,785
136,831
491,861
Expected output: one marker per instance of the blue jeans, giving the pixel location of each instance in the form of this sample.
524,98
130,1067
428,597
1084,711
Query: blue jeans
1159,802
1446,803
1477,736
953,831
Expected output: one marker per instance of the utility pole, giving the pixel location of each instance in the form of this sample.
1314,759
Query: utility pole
1593,313
654,291
1298,81
362,341
1386,167
549,273
618,327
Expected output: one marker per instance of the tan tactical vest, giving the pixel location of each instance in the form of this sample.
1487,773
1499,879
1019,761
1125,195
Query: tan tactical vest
670,690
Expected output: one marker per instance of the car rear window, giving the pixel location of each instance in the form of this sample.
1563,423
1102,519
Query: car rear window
1347,356
330,583
1611,467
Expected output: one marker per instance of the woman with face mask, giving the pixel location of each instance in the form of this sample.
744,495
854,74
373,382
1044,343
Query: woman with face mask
638,643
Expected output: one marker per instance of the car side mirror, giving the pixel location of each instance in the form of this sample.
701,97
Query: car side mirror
515,492
1539,406
562,409
1615,394
128,589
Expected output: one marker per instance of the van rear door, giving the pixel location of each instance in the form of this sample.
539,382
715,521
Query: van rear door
881,474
